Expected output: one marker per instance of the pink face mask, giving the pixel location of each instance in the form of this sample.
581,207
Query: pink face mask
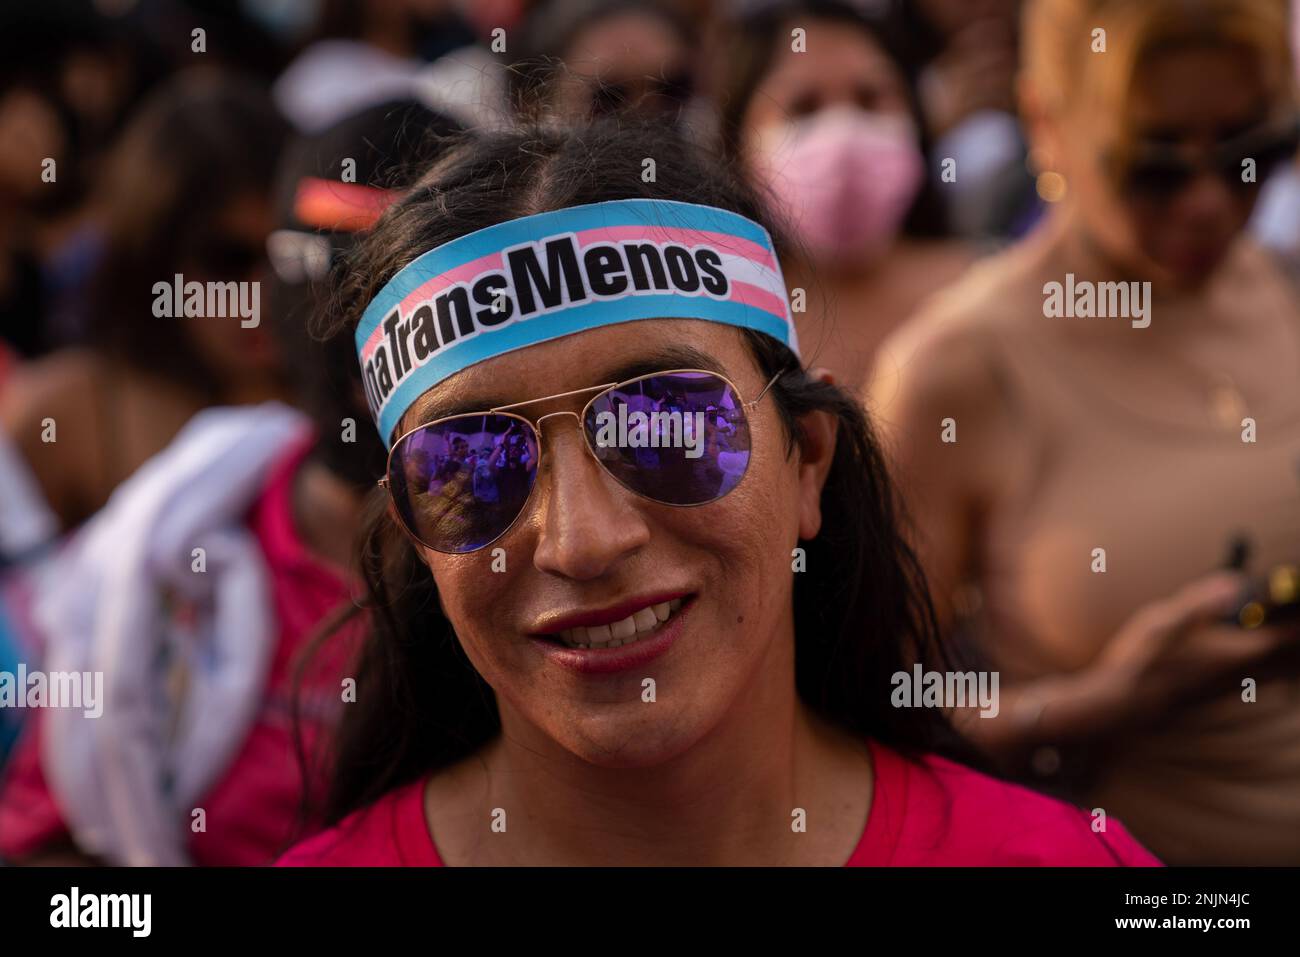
844,177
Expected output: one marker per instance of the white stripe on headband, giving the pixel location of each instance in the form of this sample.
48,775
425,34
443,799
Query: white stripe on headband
540,277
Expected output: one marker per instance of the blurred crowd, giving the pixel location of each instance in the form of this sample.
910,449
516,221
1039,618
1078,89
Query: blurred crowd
935,163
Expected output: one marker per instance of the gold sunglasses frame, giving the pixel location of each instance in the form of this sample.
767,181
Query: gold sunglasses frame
536,428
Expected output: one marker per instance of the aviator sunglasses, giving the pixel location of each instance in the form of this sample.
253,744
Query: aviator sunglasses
679,437
1158,172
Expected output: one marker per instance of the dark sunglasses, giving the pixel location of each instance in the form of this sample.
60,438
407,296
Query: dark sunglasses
1159,171
679,437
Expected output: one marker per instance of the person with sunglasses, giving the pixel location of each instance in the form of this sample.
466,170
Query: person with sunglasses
1081,482
582,59
615,661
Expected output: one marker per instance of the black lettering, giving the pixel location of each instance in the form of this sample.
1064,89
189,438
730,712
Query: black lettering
426,338
605,270
457,296
404,330
714,279
561,265
372,387
486,291
681,269
641,255
390,330
385,372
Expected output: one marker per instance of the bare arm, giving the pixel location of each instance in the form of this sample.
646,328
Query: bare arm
43,412
1171,651
954,445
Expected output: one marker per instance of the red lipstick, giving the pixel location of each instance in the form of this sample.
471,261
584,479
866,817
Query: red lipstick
604,616
611,661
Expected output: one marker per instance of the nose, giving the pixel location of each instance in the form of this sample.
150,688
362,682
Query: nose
1206,198
588,522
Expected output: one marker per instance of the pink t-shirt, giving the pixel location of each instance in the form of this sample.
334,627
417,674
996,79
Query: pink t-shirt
252,810
931,813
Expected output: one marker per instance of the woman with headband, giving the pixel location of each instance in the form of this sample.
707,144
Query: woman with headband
660,640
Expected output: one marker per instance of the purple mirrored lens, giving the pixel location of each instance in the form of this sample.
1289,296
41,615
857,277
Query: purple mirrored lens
680,439
459,484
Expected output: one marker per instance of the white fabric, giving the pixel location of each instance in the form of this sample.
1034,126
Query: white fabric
1276,220
334,79
469,85
128,781
26,520
984,145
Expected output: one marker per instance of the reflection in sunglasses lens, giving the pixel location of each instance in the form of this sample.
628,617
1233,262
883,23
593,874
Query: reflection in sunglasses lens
459,484
679,439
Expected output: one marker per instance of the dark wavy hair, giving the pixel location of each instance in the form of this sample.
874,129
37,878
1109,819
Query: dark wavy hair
195,145
861,609
742,54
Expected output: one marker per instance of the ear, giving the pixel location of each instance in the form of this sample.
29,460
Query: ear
819,430
1041,129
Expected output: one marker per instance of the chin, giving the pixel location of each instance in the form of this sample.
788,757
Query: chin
1183,278
629,743
1193,268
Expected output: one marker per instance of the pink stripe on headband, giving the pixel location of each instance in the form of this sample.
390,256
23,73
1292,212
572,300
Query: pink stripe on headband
528,280
724,242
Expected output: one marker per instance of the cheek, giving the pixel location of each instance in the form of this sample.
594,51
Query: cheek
745,540
1147,227
737,550
760,516
759,118
1124,230
473,597
1166,236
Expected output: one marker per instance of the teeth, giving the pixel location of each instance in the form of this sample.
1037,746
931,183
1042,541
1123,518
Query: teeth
625,632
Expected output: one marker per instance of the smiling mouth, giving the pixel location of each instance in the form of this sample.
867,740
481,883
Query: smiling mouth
627,631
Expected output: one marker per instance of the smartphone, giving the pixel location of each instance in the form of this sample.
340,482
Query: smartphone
1270,600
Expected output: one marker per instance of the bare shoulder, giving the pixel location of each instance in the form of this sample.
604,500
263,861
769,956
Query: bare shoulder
69,412
48,411
947,354
941,359
42,388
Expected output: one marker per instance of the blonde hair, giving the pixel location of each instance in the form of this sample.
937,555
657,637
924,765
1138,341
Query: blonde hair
1062,70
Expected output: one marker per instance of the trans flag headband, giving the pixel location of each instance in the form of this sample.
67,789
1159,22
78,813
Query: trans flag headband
541,277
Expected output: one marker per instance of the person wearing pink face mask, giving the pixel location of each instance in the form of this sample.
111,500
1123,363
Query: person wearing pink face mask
824,123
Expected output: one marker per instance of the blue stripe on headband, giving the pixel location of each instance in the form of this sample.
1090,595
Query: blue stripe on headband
541,277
